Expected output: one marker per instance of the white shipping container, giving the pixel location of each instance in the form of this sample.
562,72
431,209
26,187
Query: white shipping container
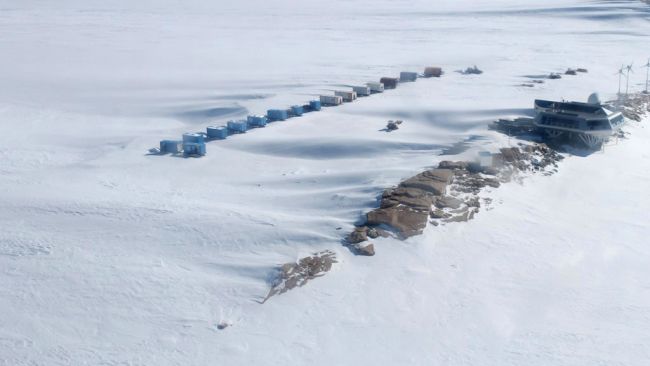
346,95
376,87
330,100
361,90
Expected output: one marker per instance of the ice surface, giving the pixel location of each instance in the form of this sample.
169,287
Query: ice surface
112,256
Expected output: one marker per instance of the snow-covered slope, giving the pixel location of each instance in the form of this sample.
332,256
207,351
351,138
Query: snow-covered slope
111,256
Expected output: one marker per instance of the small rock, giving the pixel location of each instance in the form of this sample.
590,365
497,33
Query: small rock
383,233
439,214
222,325
472,70
571,72
555,76
373,233
368,250
392,126
359,235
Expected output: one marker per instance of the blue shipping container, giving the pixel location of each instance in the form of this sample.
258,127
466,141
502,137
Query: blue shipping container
220,132
257,121
238,126
314,105
193,137
193,148
405,76
170,146
296,110
277,115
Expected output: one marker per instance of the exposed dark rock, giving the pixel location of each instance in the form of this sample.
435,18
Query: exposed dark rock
439,214
472,71
433,181
571,72
222,325
511,154
463,217
368,250
448,202
383,233
453,165
373,233
359,235
292,275
391,126
406,221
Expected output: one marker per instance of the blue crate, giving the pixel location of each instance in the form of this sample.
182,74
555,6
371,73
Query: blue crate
193,137
193,148
296,110
406,76
214,132
238,126
315,105
257,121
170,146
277,115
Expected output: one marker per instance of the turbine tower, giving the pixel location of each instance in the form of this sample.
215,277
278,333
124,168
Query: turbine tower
628,68
647,72
620,73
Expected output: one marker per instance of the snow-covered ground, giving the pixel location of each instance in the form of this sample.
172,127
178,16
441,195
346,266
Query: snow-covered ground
109,256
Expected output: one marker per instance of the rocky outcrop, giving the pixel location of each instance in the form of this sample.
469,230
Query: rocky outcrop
297,274
405,208
636,106
446,194
433,181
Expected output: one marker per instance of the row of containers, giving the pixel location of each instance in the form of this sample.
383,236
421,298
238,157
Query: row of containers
193,144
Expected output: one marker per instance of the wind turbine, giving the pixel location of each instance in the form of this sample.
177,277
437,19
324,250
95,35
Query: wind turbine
647,72
620,75
628,68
